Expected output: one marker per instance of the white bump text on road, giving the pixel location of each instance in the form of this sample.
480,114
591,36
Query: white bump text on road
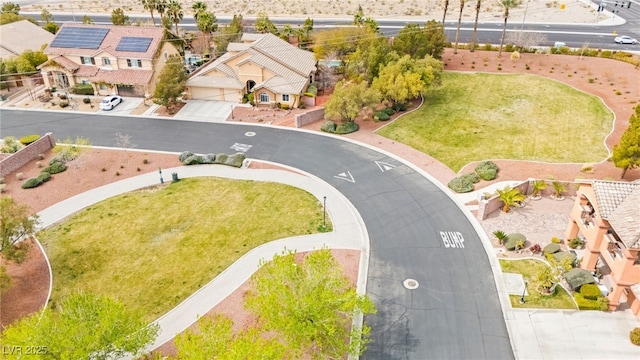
452,239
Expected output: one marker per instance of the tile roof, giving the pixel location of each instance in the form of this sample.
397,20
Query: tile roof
124,76
61,61
619,203
112,39
215,82
20,36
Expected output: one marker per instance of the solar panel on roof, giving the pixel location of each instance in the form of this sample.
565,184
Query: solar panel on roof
134,44
79,37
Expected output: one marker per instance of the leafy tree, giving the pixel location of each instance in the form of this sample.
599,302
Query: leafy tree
84,326
309,304
338,42
475,26
15,223
46,16
86,19
455,47
199,7
118,17
412,40
175,13
510,197
626,154
171,83
406,78
507,4
35,58
348,100
151,6
436,38
263,25
9,7
230,33
51,27
370,56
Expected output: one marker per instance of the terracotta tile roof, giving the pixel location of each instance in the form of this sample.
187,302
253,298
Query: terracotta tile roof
124,76
62,62
112,39
86,70
619,203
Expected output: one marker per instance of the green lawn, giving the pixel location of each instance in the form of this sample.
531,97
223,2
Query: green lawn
529,268
483,116
154,247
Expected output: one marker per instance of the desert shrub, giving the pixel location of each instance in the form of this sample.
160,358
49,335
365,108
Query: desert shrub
64,104
390,111
487,170
585,304
514,241
10,145
510,244
31,183
535,248
82,89
62,96
312,89
329,126
86,100
209,159
183,156
347,127
235,160
401,107
607,54
508,48
26,140
590,291
556,240
634,336
576,243
44,176
551,248
56,159
460,185
285,107
221,158
193,160
500,235
473,177
382,116
55,168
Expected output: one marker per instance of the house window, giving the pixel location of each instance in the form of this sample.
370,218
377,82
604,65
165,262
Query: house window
615,250
106,61
85,82
87,60
134,63
285,97
103,87
264,97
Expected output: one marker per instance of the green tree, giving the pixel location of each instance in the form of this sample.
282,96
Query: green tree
338,42
171,83
230,33
370,56
51,27
436,38
475,26
455,47
161,7
86,19
310,304
506,4
207,22
9,7
15,223
199,7
35,58
118,17
150,5
626,154
407,78
263,25
304,37
46,16
510,197
175,13
84,326
349,99
413,41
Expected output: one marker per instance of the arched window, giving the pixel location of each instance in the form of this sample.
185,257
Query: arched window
264,97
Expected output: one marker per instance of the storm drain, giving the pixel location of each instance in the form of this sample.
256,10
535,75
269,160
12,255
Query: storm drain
410,284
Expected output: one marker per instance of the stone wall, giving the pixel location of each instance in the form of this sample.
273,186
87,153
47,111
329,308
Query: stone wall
15,161
309,117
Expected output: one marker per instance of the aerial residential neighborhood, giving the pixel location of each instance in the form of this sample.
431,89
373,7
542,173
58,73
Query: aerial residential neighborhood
285,180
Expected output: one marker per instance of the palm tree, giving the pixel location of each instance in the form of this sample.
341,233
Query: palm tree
510,197
475,25
175,13
161,8
536,187
558,189
446,6
151,6
198,8
507,4
455,48
207,22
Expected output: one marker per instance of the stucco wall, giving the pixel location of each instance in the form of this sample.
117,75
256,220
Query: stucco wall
309,117
26,154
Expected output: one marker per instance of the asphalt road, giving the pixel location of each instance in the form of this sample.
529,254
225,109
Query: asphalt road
416,231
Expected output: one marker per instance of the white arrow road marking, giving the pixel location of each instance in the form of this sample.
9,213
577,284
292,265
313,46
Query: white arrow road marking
383,166
345,176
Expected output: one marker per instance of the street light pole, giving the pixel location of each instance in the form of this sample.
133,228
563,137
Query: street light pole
526,281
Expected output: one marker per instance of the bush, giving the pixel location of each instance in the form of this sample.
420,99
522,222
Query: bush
10,145
401,107
382,116
55,160
44,176
535,248
551,248
64,104
329,126
487,170
473,177
55,168
26,140
390,111
556,240
576,243
590,291
634,336
585,304
193,160
460,185
82,89
312,89
513,240
31,183
183,156
86,100
347,127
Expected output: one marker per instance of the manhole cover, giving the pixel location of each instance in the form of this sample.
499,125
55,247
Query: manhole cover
410,284
249,134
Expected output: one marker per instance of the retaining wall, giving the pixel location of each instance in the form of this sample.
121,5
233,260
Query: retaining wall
17,160
309,117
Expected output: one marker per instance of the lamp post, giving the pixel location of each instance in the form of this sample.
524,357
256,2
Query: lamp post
526,281
324,212
160,172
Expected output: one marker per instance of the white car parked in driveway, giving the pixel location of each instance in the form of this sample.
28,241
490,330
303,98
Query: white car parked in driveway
110,102
625,40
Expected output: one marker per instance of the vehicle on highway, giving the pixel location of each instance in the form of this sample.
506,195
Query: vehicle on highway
110,102
625,40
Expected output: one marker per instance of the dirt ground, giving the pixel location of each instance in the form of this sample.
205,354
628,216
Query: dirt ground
101,166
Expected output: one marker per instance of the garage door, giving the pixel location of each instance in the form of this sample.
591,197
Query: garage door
205,93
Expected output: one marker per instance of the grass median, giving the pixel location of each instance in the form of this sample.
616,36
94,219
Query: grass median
154,247
522,117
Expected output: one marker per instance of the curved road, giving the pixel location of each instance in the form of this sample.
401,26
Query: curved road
416,231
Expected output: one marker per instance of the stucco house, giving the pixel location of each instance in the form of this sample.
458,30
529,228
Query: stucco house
123,60
607,215
274,70
18,37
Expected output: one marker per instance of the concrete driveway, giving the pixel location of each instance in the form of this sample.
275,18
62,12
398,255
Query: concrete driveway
124,108
205,111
